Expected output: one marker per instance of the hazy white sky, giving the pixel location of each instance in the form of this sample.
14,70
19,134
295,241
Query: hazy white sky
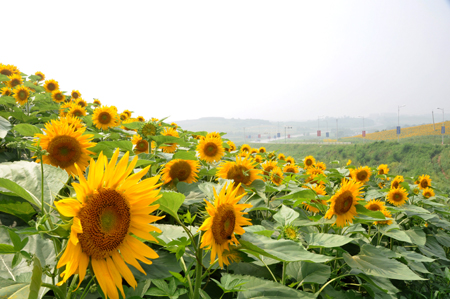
275,60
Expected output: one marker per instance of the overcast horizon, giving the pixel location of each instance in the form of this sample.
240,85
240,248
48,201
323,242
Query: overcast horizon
279,61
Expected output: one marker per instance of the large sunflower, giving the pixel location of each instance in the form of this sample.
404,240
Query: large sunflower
321,165
225,219
344,201
123,116
111,206
65,146
75,94
424,181
213,135
397,196
58,96
51,85
171,147
105,117
242,171
309,161
210,149
182,170
21,94
361,174
72,121
375,205
258,158
15,80
276,176
383,169
6,70
428,192
41,76
141,145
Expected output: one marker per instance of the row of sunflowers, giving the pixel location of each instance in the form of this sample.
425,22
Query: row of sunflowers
100,204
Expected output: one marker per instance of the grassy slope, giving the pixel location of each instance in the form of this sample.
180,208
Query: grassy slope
406,159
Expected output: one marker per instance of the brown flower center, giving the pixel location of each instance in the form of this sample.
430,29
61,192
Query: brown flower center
424,183
397,197
15,82
6,72
211,149
239,174
361,175
343,203
23,95
180,170
374,207
142,145
51,86
105,220
104,118
223,224
64,151
75,95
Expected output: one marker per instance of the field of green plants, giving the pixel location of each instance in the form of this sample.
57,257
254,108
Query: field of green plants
97,203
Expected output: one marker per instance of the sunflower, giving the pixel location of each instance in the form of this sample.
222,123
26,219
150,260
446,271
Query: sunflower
127,112
319,190
110,209
123,116
375,205
386,214
174,125
6,91
15,80
6,70
148,130
344,201
75,95
290,160
51,85
383,169
424,181
171,147
41,75
321,165
97,102
213,135
281,157
141,145
428,192
64,109
276,176
397,196
267,167
232,254
154,119
262,150
210,149
361,174
80,102
21,94
242,171
245,148
396,181
140,118
225,220
291,168
349,162
258,158
290,232
244,154
105,117
232,146
58,96
76,111
65,146
72,121
181,170
309,161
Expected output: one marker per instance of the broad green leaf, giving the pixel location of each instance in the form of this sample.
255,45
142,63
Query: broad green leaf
326,240
170,202
7,100
185,155
259,230
305,193
36,279
134,125
169,139
160,267
7,249
4,78
374,215
417,236
13,290
282,250
380,266
433,249
16,206
304,272
373,194
35,87
17,190
144,163
443,238
228,283
27,129
5,126
108,147
413,256
285,216
28,176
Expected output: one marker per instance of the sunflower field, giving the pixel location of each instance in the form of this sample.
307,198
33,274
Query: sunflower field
97,203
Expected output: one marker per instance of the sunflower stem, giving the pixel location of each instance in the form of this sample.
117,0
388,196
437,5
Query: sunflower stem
283,275
87,288
323,287
42,186
73,283
273,276
187,275
198,270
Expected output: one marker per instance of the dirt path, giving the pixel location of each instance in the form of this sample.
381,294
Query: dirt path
440,166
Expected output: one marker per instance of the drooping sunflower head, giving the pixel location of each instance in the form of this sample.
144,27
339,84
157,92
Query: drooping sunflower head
75,95
262,150
396,181
344,201
170,147
58,96
290,160
291,168
213,135
233,255
76,111
225,220
387,215
276,176
15,80
375,205
361,174
242,171
97,102
397,196
51,85
267,167
105,117
232,147
245,148
110,217
141,118
210,149
65,146
309,161
6,91
321,165
80,102
140,145
181,171
174,125
290,232
127,112
383,169
21,94
281,157
424,181
428,192
41,75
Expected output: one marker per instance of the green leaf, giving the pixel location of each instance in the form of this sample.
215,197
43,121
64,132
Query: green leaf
304,272
19,191
5,126
161,267
134,125
413,256
108,147
433,249
4,78
373,194
7,249
7,100
17,242
228,283
169,139
16,206
185,155
36,279
285,216
281,250
305,193
170,202
35,87
13,290
374,215
27,129
326,240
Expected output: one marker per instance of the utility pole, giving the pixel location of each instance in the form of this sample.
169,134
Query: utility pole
286,127
398,122
443,125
